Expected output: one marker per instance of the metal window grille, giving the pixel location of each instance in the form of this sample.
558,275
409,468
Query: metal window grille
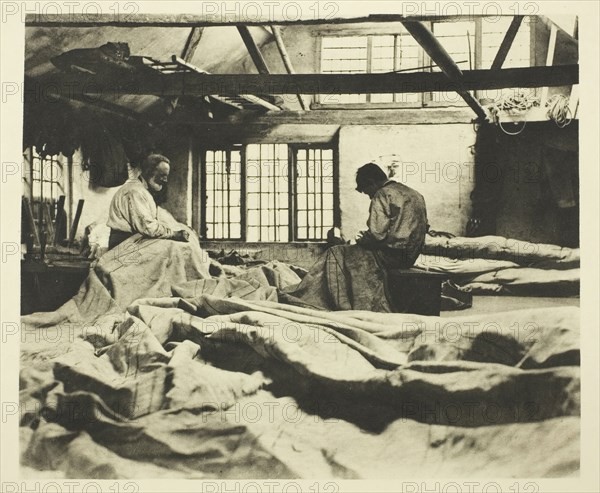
472,44
47,178
222,215
247,193
458,38
267,192
369,54
493,31
519,54
315,193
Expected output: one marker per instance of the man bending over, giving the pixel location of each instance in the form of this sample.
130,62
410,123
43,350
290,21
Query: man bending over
397,222
354,277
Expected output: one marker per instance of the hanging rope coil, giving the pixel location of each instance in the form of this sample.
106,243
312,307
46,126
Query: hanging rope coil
516,104
559,111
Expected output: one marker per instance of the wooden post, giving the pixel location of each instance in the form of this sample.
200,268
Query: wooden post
28,212
49,224
75,221
59,223
549,61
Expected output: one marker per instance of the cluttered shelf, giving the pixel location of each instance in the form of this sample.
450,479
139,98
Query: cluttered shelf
528,107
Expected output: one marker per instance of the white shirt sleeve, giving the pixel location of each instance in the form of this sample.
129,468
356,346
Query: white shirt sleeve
142,216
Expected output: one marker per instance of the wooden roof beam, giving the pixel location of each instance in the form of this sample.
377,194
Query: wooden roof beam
248,97
252,47
507,42
192,43
211,19
198,84
440,56
188,53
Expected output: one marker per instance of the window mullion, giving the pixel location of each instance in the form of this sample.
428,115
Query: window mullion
369,61
397,61
260,192
227,183
292,198
276,184
213,191
478,48
203,194
337,219
243,209
31,164
426,61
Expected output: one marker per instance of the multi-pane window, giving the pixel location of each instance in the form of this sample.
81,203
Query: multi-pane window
223,174
472,44
519,54
314,193
47,185
494,29
268,193
458,39
368,54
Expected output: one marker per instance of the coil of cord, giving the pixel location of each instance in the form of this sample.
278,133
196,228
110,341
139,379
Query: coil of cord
559,111
516,104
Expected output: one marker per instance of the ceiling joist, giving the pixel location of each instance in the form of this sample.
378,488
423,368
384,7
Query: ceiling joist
250,98
281,18
200,84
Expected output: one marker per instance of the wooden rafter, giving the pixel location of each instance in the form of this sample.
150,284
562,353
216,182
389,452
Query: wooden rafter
192,43
253,49
440,56
176,84
507,42
188,53
248,97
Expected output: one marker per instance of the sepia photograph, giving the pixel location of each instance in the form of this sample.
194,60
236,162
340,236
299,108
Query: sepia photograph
299,246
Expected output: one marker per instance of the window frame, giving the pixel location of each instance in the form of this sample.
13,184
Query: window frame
39,201
427,98
368,32
292,149
204,192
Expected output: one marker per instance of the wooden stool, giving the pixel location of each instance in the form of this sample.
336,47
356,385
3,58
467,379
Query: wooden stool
415,291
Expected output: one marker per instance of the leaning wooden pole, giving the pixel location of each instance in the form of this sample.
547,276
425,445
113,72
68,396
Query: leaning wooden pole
286,61
440,56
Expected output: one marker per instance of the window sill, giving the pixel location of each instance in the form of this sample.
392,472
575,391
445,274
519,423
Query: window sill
362,106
